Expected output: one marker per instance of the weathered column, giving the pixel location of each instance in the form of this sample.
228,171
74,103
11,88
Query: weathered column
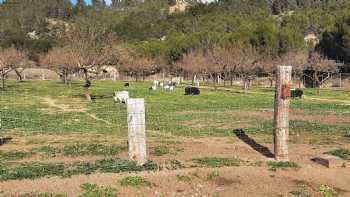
137,130
281,116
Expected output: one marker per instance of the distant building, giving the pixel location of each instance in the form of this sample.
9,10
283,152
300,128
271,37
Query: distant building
311,38
178,6
33,35
181,5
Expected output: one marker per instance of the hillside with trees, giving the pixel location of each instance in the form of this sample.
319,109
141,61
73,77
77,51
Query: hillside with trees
207,40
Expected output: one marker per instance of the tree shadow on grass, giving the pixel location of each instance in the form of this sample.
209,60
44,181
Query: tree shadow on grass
252,143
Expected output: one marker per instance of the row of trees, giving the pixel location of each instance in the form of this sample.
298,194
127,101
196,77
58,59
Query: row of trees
227,39
247,63
211,64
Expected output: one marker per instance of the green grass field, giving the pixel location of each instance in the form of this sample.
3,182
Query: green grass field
26,108
57,134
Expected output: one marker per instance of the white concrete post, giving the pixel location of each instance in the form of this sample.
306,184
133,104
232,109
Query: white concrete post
281,112
137,130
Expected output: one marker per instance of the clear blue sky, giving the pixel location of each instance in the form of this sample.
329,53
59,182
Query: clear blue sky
89,1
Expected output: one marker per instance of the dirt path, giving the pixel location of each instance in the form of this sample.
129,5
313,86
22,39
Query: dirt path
231,181
347,102
65,108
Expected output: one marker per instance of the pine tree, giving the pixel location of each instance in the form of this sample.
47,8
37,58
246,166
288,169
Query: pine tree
80,7
99,4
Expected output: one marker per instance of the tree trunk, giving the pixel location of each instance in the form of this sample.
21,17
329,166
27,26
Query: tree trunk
215,85
194,79
19,76
3,80
64,77
317,83
271,82
245,84
87,89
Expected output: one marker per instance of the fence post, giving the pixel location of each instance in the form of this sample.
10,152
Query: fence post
137,130
281,112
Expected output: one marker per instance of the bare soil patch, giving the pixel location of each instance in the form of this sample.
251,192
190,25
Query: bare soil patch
52,103
245,180
294,115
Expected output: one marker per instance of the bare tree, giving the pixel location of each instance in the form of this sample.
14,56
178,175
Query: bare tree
91,47
138,66
193,63
322,69
247,64
11,59
60,61
200,63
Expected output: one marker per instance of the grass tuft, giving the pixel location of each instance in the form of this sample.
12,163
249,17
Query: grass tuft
135,181
215,162
183,178
38,170
160,151
14,155
301,191
93,190
212,175
327,191
43,195
274,166
342,153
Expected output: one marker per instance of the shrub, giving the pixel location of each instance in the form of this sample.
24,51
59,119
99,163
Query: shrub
160,151
342,153
327,191
216,162
134,181
273,166
183,178
212,175
92,190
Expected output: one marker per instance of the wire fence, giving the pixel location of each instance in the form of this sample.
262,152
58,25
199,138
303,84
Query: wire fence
48,107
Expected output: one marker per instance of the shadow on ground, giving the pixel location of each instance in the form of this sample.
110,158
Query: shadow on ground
5,140
252,143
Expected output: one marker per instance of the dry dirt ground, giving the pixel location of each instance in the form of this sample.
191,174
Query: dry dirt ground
252,178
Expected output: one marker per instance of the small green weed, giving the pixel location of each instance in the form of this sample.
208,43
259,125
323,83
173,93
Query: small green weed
92,149
14,155
38,170
183,178
49,151
68,150
327,191
174,165
212,175
135,181
80,150
274,166
216,162
93,190
160,151
301,191
342,153
34,141
43,195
